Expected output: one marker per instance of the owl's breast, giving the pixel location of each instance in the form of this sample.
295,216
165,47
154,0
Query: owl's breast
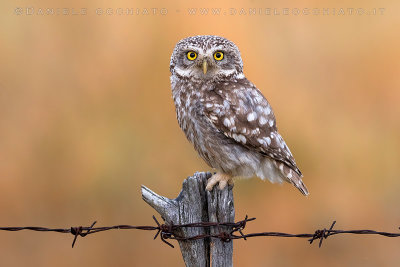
189,109
189,99
216,149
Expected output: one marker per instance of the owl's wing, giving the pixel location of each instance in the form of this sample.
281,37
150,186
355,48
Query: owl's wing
240,111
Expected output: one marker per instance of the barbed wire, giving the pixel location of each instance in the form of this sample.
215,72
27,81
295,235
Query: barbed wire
169,231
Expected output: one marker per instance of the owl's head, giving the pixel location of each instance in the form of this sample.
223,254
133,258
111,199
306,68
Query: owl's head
206,57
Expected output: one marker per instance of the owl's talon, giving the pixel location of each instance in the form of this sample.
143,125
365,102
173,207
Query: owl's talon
222,185
220,178
210,183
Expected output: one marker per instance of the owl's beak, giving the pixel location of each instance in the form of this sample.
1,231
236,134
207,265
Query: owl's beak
204,66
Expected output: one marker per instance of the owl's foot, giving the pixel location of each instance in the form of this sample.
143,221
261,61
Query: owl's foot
221,178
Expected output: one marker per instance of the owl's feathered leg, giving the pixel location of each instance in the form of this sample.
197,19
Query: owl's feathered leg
222,178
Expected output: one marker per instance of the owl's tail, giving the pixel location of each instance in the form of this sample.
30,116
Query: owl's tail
292,177
277,172
300,185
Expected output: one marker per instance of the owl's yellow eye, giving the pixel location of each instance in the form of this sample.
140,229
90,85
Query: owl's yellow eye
218,55
191,55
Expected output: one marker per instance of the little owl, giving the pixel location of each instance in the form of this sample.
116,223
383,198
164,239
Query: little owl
226,118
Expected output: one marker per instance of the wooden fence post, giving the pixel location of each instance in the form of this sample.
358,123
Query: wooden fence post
195,204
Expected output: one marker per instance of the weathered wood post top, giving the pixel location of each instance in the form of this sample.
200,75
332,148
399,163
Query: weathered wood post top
194,204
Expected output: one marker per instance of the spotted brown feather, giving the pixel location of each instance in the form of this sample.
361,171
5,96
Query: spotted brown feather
240,111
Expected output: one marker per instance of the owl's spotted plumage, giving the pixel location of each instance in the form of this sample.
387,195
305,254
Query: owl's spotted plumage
226,118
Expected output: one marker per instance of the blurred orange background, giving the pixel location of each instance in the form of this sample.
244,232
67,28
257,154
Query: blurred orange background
87,117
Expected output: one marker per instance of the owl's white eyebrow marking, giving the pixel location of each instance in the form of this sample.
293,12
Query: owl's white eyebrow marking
215,48
191,48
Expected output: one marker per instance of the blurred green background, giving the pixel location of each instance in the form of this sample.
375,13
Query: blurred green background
86,117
